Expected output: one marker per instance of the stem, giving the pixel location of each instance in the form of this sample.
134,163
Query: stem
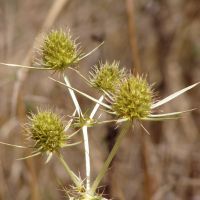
86,145
85,136
82,93
110,158
96,107
73,96
87,156
73,177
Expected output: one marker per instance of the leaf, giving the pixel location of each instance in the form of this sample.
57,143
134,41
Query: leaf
96,107
173,96
93,50
171,114
166,116
30,156
49,157
72,144
25,66
13,145
83,94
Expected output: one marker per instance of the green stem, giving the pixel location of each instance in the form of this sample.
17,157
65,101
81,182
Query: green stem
110,158
73,176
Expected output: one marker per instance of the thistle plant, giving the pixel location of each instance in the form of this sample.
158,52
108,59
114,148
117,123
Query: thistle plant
59,51
46,130
133,99
106,77
126,97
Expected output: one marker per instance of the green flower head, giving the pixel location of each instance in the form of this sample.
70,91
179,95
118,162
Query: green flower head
59,51
133,98
107,76
46,130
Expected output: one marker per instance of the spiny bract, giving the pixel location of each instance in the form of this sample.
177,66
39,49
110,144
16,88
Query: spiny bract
46,130
133,99
107,76
81,121
79,193
59,50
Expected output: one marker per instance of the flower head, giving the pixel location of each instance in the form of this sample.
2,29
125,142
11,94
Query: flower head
133,98
59,50
46,130
107,76
79,193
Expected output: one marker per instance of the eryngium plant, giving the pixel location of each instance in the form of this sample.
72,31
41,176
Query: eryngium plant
59,51
79,193
133,98
125,96
106,77
47,132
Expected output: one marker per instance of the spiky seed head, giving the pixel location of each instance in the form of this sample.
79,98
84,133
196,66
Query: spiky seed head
80,193
59,51
133,99
106,76
46,131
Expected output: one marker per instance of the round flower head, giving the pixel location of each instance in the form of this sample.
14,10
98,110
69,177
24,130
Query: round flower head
59,50
133,99
46,130
106,77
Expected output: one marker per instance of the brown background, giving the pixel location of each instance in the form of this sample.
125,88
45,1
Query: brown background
161,39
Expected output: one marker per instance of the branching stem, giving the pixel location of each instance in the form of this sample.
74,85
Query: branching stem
73,177
85,135
110,158
87,156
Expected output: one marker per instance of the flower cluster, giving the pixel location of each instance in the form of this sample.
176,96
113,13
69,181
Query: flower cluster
59,51
106,77
128,97
79,193
133,99
46,130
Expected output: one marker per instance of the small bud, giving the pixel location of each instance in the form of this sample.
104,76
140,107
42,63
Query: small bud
59,50
84,120
107,76
46,130
133,99
79,193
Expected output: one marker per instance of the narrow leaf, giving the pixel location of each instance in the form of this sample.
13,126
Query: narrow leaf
13,145
96,107
166,116
30,156
173,96
84,94
49,157
145,129
159,118
25,66
172,114
86,55
72,144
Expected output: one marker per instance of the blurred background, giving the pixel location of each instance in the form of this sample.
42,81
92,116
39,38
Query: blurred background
155,37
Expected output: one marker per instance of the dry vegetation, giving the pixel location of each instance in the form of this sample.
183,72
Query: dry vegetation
161,38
